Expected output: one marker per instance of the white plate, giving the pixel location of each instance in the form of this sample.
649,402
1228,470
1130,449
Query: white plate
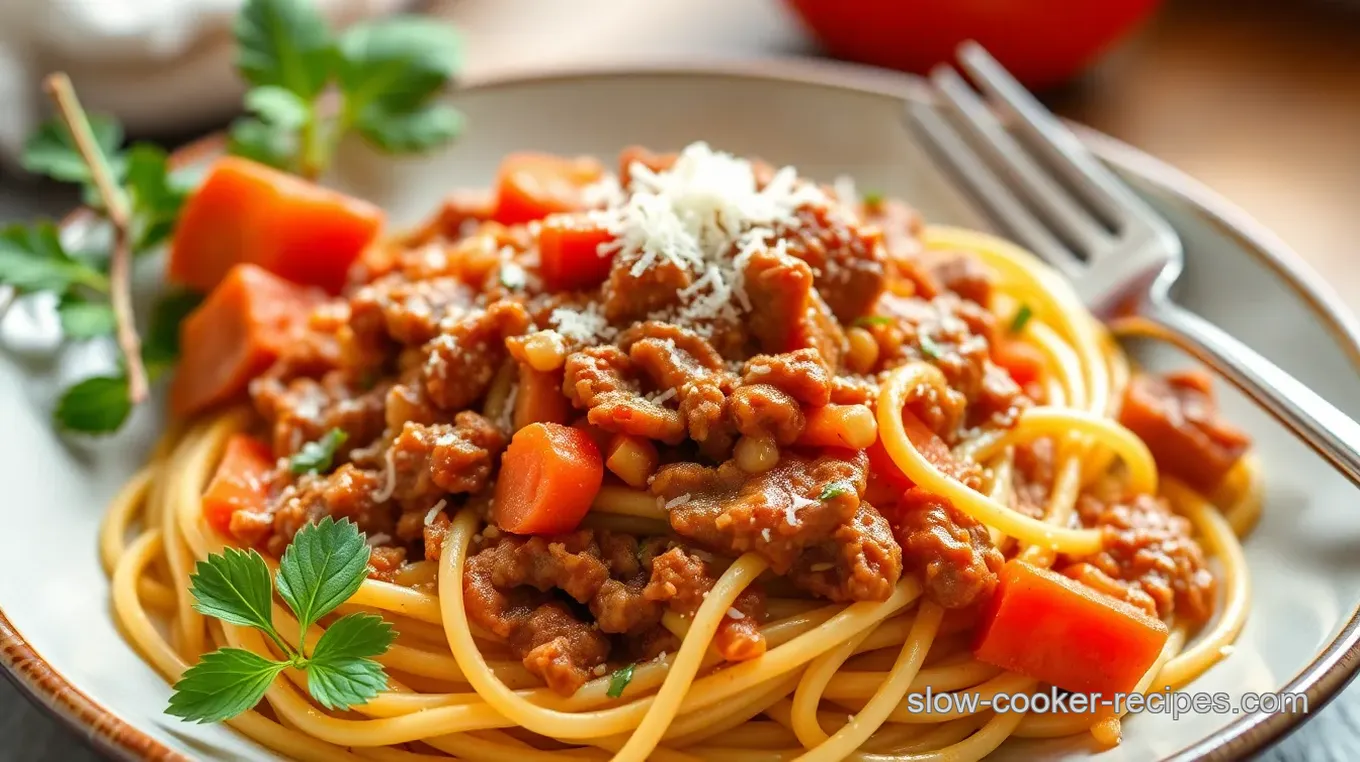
827,120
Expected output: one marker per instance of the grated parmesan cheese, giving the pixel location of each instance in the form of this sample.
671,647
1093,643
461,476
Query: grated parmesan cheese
732,613
675,502
513,276
599,670
693,214
374,540
603,193
385,493
662,397
439,506
844,186
586,325
661,656
765,534
791,510
820,567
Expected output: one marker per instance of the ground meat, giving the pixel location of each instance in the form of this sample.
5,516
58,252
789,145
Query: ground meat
683,580
458,216
1033,476
461,362
408,312
848,258
679,359
780,290
1178,419
304,409
781,513
443,458
509,587
901,226
763,411
964,275
604,381
629,298
802,374
1149,548
951,551
347,493
954,335
853,390
859,561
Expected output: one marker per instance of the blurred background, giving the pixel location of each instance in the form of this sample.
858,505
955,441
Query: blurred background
1259,99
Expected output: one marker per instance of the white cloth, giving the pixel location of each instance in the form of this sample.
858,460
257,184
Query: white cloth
155,64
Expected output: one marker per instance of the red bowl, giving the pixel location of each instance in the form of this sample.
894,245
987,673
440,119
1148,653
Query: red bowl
1042,42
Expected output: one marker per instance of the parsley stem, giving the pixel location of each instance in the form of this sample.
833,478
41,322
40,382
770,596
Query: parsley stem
116,204
287,650
312,158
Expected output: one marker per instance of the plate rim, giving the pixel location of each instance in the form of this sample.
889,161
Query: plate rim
1320,680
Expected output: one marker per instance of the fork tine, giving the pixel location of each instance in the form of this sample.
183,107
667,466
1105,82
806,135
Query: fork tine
987,187
1048,196
1096,184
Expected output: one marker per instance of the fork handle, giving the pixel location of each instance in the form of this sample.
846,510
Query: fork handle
1332,433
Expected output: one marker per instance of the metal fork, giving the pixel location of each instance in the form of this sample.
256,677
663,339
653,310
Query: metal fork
1054,197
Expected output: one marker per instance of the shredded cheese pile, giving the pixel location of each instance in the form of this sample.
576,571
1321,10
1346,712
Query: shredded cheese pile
705,215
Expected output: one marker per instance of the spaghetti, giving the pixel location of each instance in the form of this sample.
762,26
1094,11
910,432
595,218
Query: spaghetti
784,653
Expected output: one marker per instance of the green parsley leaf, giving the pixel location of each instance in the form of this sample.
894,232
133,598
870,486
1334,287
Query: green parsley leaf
33,259
873,198
340,673
322,567
97,405
278,107
234,587
419,130
620,680
836,489
154,195
398,63
284,43
52,151
317,457
160,344
1022,317
864,321
264,143
85,320
225,683
389,71
930,348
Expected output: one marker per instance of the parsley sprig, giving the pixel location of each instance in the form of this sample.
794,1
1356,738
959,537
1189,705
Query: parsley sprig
325,564
385,75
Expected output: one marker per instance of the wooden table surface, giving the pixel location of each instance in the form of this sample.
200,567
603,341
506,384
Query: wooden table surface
1260,99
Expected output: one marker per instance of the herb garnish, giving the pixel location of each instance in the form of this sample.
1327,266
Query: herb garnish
316,457
386,74
864,321
323,566
1022,317
930,348
836,489
620,680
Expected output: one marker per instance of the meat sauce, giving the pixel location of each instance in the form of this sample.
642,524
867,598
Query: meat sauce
420,362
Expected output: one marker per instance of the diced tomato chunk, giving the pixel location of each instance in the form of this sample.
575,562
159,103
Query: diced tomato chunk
241,482
1024,361
549,476
569,252
1055,629
245,212
237,332
532,186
